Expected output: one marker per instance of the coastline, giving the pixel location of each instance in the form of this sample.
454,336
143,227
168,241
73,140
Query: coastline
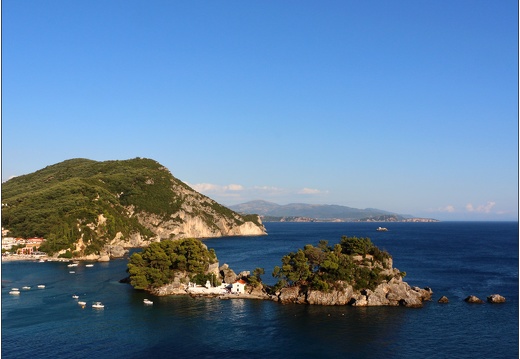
32,258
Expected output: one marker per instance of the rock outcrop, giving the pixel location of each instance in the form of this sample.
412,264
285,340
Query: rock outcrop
178,286
392,293
443,300
187,224
496,298
197,217
227,274
473,299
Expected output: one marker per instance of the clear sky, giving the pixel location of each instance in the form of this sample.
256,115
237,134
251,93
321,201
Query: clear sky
405,106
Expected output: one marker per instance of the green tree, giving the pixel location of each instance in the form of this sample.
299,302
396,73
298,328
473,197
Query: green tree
255,280
354,245
157,264
325,266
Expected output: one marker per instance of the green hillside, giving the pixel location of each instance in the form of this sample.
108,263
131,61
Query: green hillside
63,202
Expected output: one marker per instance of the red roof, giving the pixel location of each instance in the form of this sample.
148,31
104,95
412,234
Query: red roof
241,281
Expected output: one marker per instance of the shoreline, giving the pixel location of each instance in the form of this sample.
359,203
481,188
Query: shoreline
32,258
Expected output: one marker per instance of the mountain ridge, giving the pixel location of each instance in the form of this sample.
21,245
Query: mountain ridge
271,211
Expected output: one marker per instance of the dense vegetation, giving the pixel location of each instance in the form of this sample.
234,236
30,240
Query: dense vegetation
159,263
354,261
62,202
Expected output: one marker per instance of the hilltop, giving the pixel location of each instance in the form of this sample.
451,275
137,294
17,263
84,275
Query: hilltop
86,208
319,212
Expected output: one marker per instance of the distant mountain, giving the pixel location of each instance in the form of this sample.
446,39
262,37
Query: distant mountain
313,211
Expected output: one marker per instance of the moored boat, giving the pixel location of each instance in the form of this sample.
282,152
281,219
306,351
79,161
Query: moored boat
147,302
41,286
26,288
98,305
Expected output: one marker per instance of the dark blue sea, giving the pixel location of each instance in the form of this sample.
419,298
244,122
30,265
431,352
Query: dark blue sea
455,259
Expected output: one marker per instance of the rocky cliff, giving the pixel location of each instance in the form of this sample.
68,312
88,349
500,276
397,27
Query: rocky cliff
392,293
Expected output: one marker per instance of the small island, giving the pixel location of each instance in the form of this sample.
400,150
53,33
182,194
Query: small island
352,272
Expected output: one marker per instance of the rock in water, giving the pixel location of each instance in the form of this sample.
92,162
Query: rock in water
496,298
473,299
443,299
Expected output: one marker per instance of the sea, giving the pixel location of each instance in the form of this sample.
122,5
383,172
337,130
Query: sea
454,259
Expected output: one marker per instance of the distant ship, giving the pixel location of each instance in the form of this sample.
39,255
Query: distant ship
382,229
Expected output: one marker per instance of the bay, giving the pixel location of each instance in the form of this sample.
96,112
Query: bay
455,259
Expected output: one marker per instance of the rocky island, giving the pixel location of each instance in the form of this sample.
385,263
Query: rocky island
353,272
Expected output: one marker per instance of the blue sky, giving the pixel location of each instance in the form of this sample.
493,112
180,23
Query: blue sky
406,106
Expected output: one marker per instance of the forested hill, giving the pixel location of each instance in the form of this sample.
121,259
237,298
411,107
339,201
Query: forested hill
93,203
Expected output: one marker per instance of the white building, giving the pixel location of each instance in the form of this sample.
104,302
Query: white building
8,242
238,286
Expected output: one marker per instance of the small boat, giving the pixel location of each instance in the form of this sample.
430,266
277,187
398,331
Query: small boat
15,292
98,305
41,286
72,265
147,302
75,296
89,265
381,229
15,289
71,272
82,303
26,288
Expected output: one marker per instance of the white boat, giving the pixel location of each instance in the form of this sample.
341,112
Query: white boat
75,296
26,288
15,292
82,303
41,286
89,265
71,272
72,265
15,289
147,302
98,305
382,229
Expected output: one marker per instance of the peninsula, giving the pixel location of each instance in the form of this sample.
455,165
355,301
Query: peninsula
90,210
303,212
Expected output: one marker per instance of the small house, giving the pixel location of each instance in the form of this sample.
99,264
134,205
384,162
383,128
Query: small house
238,286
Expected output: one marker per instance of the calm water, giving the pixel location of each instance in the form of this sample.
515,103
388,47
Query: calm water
455,259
